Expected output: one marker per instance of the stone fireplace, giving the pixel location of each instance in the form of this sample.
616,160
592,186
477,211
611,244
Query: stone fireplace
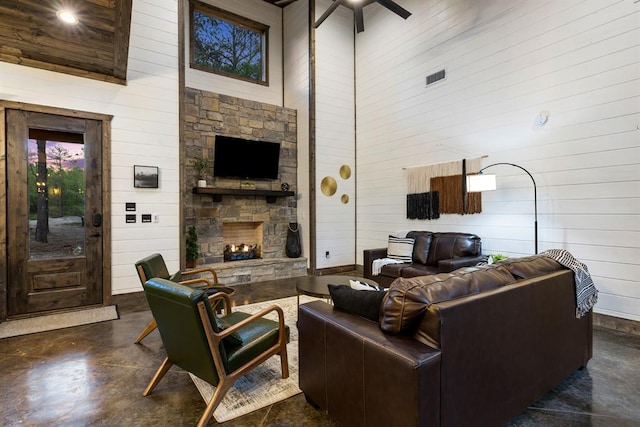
246,216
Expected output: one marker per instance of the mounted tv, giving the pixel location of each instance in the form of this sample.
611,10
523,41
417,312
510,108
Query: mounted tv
246,159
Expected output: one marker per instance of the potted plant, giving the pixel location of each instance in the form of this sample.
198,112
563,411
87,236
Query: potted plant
495,257
202,165
192,247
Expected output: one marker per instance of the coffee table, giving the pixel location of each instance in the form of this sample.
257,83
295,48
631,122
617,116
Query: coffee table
316,286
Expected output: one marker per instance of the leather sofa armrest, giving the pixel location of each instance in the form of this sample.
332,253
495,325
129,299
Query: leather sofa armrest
357,373
532,325
448,265
367,260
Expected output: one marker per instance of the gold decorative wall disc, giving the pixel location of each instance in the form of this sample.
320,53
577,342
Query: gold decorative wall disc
344,199
345,172
328,185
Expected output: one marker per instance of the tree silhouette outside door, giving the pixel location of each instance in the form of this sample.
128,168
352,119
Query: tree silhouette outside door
56,193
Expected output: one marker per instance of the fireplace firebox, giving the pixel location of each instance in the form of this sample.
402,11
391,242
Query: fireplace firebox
242,240
241,252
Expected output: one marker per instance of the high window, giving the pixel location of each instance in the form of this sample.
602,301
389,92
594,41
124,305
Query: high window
228,44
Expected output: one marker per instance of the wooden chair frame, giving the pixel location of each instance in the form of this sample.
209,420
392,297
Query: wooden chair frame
208,283
226,380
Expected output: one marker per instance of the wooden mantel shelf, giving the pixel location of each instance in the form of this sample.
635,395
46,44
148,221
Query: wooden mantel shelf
217,193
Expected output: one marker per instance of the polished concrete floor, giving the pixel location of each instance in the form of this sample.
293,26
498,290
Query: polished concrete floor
94,375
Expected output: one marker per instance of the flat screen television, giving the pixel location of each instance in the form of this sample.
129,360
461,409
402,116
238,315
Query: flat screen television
246,159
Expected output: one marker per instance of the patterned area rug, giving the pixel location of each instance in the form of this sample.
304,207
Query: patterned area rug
264,385
14,328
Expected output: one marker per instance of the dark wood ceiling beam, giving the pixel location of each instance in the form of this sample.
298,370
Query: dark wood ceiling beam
44,37
10,52
106,77
38,45
80,62
47,9
121,41
54,60
94,68
99,21
109,4
33,28
97,47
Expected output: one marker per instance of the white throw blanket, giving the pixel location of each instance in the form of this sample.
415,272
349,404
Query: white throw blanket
364,286
377,264
586,292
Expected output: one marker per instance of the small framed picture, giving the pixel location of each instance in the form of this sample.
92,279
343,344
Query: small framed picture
145,176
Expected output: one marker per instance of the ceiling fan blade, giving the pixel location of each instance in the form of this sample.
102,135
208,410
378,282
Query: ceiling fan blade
359,17
283,2
328,12
395,8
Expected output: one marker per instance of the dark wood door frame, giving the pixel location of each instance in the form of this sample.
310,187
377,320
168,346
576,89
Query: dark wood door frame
106,185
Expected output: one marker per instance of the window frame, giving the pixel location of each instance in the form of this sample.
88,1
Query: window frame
233,19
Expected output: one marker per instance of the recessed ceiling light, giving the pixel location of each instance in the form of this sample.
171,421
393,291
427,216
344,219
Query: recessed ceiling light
67,17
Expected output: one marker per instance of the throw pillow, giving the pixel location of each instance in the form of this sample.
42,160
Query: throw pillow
400,248
234,339
362,303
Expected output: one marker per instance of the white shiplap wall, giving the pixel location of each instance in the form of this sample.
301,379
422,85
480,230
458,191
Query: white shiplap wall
335,136
259,11
144,131
296,95
506,61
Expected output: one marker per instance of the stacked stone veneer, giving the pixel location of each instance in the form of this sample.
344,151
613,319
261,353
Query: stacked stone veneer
208,114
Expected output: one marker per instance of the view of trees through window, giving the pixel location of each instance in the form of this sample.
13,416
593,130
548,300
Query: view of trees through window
227,46
56,182
62,175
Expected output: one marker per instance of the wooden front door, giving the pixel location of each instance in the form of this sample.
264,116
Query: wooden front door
54,212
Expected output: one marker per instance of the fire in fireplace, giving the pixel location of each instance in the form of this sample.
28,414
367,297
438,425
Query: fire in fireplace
241,252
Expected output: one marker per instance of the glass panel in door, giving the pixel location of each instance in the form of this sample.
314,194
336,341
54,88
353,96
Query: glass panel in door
56,195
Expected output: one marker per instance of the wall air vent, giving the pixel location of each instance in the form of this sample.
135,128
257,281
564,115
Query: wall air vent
435,77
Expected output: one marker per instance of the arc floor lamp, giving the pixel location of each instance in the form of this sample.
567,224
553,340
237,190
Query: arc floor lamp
481,182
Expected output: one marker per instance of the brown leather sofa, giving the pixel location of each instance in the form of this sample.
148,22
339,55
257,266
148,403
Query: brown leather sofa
474,347
433,253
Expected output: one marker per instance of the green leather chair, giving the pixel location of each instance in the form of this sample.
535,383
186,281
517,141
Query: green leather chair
154,266
194,340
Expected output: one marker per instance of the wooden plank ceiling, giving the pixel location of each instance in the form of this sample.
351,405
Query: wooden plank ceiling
96,47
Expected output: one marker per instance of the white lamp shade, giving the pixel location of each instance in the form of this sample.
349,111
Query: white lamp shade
478,183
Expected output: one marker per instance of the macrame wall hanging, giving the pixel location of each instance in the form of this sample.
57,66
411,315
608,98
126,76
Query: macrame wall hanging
439,188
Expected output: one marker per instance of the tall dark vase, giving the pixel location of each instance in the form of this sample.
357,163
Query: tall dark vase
293,248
